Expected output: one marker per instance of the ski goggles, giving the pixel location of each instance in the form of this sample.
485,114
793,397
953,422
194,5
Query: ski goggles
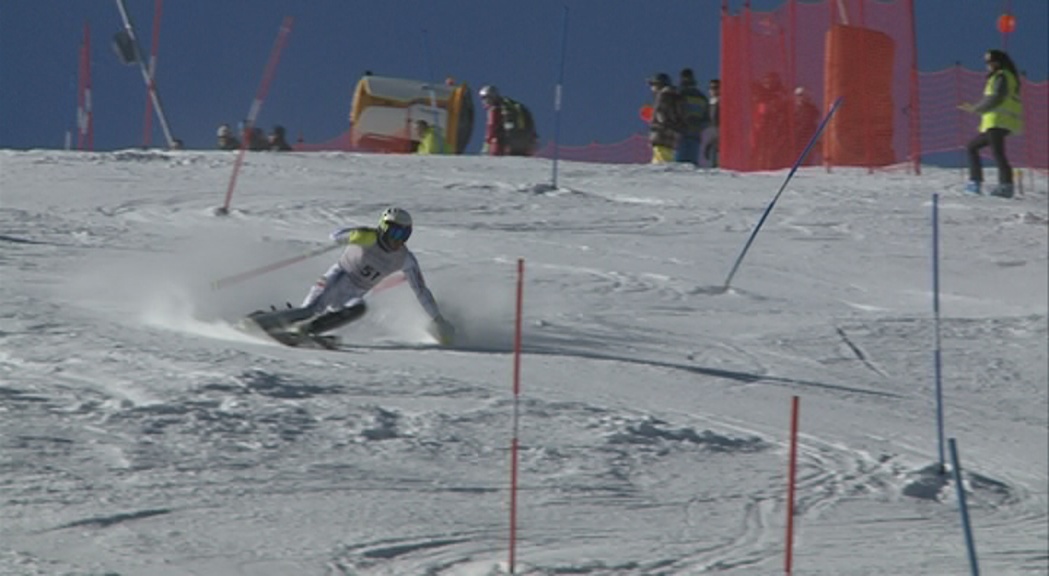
396,232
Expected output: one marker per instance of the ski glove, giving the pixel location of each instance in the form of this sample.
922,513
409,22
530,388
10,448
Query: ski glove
442,331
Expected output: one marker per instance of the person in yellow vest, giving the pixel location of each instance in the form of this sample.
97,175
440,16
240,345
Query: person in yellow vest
429,143
1001,114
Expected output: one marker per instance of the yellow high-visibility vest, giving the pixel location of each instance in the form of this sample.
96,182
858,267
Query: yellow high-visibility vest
429,144
1008,114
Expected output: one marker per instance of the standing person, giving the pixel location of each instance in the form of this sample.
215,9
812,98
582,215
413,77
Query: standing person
710,149
254,138
278,141
494,136
1001,114
257,140
427,138
667,119
371,255
226,139
510,129
806,121
770,132
697,118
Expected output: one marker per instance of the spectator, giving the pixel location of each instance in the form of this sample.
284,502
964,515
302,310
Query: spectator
227,141
427,135
277,140
667,119
255,137
494,140
697,118
806,120
710,150
510,128
770,132
1001,114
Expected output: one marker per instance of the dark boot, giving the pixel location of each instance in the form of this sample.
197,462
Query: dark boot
1003,191
332,320
279,320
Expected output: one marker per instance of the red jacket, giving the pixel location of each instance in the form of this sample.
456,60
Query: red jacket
493,135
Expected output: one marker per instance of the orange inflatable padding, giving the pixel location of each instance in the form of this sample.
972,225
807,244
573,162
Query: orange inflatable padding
384,108
859,66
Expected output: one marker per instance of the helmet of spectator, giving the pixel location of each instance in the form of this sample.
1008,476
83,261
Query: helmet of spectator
661,79
224,131
488,92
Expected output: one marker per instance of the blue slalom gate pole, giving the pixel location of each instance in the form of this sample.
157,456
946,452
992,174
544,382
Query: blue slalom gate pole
768,209
963,508
937,355
557,91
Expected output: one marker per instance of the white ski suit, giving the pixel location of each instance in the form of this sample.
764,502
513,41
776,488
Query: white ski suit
362,265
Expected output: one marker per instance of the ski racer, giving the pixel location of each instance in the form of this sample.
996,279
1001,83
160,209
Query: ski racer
371,255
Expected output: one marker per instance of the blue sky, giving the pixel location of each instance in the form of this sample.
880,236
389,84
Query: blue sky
212,56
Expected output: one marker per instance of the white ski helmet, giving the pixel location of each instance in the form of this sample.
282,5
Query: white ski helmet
395,224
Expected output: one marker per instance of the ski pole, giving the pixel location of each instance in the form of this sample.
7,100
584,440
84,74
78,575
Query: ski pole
249,274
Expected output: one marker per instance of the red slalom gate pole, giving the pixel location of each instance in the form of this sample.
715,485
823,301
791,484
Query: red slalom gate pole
792,468
517,395
256,105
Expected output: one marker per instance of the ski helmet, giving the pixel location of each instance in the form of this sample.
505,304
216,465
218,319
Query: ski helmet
488,92
661,79
395,224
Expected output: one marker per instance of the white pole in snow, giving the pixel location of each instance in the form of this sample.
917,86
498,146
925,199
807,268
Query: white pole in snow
557,95
151,86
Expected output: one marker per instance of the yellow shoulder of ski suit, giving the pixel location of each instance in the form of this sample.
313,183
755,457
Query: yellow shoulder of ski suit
363,237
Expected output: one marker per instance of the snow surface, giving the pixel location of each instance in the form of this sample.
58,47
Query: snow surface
141,435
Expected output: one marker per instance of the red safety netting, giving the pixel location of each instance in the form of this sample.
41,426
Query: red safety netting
782,70
348,141
634,150
341,143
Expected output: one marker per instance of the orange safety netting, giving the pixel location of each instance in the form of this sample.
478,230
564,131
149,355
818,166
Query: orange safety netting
782,70
891,114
